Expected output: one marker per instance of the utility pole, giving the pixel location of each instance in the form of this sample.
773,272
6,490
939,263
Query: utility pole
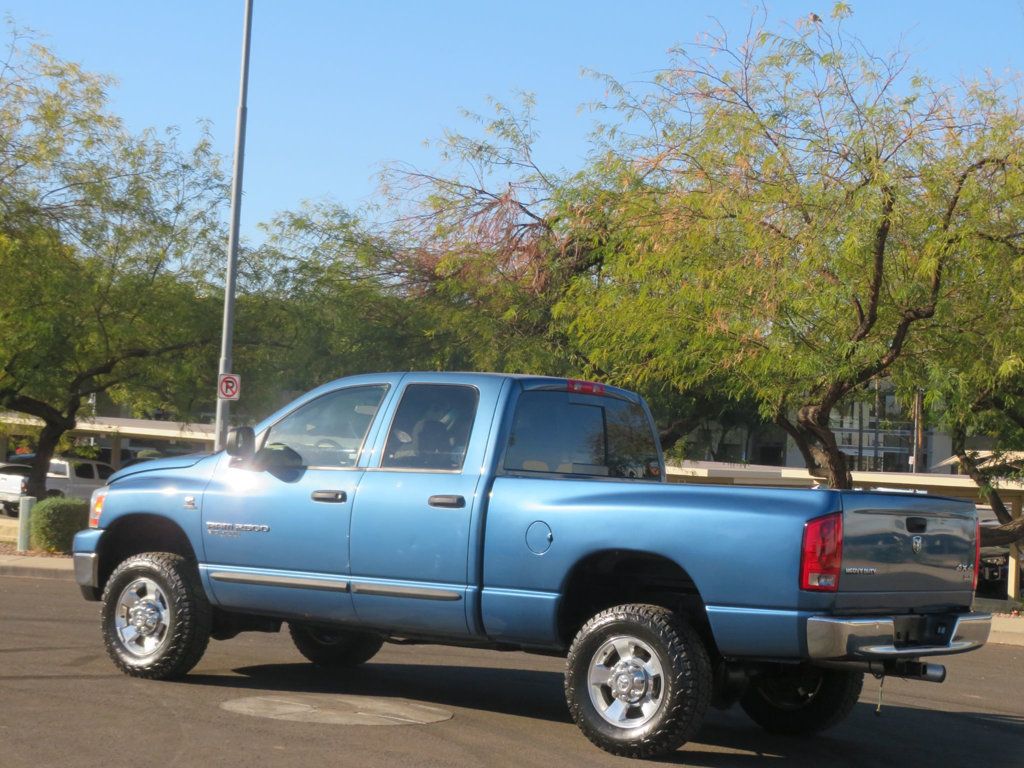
228,330
918,438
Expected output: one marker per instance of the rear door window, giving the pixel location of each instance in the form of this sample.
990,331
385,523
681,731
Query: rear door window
84,471
564,433
431,428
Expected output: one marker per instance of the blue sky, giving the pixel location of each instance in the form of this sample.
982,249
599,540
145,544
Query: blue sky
338,88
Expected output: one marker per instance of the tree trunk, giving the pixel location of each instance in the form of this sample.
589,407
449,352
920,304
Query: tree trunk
48,440
814,421
676,431
979,477
1010,533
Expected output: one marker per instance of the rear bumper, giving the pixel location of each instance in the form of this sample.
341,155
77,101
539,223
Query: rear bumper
876,637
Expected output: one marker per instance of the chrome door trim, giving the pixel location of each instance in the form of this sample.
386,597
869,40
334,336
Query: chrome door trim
418,593
295,582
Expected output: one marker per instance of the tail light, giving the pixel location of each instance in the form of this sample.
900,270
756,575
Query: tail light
96,507
822,553
24,485
977,554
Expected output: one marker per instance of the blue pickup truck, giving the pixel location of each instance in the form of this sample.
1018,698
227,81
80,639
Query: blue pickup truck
532,513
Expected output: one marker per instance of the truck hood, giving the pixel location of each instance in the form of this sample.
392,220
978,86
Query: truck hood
174,462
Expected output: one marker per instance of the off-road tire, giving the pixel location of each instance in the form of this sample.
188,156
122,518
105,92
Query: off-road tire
775,703
334,648
188,616
684,691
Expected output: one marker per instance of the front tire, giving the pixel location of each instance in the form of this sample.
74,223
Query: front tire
803,701
155,616
638,680
334,648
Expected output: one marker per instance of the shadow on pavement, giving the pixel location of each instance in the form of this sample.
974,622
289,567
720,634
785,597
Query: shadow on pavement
525,693
938,738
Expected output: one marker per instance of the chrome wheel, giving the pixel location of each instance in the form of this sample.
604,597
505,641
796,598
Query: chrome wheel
142,617
626,682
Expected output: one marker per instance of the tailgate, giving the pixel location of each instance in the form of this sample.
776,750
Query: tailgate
907,543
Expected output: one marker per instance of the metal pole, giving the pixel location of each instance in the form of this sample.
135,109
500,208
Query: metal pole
236,211
917,441
25,504
1014,559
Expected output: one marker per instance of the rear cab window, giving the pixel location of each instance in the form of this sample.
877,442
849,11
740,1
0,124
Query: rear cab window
591,435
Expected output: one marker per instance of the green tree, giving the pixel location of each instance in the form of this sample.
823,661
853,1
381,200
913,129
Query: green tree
317,301
106,240
973,374
788,217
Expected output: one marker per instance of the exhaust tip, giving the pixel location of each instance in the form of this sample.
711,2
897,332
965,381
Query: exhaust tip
933,673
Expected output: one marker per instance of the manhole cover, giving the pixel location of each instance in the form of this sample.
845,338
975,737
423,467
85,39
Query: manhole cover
331,709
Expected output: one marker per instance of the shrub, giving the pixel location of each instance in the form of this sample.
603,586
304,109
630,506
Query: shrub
55,521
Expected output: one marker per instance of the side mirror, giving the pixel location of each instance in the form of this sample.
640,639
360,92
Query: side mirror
276,457
241,443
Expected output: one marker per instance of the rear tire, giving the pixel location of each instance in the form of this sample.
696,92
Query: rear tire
334,648
638,680
802,702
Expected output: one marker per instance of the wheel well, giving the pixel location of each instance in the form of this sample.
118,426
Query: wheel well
132,534
615,577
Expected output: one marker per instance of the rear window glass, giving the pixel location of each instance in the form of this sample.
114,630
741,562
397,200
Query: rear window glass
569,434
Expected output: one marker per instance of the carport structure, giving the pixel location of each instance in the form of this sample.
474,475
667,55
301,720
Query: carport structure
955,486
117,430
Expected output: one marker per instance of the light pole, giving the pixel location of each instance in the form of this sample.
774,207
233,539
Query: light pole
236,210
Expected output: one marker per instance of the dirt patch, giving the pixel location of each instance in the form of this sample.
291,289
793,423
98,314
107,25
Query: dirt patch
8,548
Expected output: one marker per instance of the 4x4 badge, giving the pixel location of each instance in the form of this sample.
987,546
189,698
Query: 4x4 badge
916,543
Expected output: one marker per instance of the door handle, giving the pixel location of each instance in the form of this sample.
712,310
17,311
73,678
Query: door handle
451,502
331,497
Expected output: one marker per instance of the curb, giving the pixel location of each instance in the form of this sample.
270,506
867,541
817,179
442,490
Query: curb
27,566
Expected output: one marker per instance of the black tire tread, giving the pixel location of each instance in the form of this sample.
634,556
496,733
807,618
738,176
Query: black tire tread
691,680
359,647
831,705
190,633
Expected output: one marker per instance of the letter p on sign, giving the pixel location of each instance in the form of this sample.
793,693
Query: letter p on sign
229,386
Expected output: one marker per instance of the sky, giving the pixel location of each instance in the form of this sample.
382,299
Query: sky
339,88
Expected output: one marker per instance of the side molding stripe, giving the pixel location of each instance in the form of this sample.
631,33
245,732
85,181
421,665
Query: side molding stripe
296,582
418,593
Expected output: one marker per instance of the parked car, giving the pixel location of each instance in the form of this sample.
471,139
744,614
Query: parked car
67,476
532,513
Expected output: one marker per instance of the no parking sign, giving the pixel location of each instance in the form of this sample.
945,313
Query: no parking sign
229,386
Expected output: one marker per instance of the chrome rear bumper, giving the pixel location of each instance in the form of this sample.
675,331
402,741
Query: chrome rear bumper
875,638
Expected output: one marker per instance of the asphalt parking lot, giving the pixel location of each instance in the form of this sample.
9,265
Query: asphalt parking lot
253,701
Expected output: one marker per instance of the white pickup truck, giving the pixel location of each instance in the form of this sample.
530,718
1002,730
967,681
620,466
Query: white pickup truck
71,477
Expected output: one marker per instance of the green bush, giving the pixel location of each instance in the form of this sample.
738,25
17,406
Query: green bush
55,522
